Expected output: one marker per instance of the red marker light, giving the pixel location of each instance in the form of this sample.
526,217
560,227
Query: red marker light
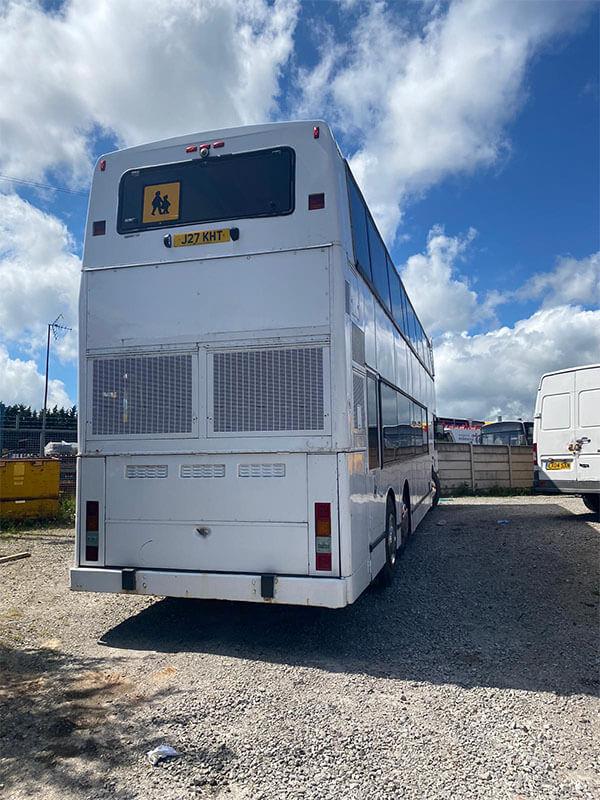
316,201
191,148
316,132
203,146
323,536
218,144
102,164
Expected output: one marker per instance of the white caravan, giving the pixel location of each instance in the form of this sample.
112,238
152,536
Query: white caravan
567,434
256,391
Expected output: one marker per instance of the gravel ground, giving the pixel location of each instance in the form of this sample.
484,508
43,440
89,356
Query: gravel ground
474,676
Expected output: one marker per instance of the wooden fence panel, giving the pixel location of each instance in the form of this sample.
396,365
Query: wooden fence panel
484,466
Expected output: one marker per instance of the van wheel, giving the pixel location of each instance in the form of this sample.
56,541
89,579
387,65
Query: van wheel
437,488
592,501
386,576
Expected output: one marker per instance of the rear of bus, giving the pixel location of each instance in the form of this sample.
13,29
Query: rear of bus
211,345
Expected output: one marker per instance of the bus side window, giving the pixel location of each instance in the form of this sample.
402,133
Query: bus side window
372,423
358,220
389,423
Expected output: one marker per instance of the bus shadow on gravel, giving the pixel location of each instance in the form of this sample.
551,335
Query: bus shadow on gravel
498,596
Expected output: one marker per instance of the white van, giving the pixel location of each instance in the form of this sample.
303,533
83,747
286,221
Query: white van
567,434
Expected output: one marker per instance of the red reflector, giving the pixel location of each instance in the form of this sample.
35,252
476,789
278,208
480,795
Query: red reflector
316,201
92,515
191,148
91,553
316,132
323,561
218,144
99,227
323,519
102,164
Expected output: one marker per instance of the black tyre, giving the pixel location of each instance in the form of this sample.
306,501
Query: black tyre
405,519
437,487
592,501
386,576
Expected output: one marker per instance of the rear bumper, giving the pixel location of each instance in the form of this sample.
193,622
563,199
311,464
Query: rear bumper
327,592
546,486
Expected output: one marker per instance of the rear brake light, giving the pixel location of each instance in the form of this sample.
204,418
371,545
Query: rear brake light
316,201
102,164
316,132
92,528
323,536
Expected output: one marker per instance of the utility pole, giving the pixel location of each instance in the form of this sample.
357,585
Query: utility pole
58,332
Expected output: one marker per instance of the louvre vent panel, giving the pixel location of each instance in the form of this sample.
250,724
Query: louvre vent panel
261,470
358,345
358,391
146,471
268,390
142,395
202,471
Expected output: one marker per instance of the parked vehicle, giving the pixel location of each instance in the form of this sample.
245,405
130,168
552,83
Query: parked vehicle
567,434
257,390
513,432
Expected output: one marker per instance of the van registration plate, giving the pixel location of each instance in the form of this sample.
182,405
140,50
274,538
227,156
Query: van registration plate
558,465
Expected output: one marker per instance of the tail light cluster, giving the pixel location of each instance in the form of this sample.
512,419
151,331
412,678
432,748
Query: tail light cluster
92,529
323,536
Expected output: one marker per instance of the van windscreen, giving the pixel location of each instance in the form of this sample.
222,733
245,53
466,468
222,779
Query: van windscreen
224,187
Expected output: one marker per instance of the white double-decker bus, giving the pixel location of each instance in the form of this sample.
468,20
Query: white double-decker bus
256,391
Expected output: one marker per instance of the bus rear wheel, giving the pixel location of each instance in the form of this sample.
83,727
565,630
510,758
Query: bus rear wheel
386,576
592,501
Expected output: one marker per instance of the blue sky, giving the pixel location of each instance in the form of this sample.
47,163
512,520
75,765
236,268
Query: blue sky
472,127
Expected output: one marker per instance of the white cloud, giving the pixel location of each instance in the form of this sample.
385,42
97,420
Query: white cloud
39,276
482,374
498,372
20,382
135,69
571,281
428,104
443,300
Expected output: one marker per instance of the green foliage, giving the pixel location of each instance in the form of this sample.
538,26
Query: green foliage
464,490
21,416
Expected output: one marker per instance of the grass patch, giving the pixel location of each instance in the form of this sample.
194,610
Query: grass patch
494,491
64,519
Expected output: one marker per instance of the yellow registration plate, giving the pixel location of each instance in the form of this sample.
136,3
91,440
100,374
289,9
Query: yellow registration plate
558,465
202,237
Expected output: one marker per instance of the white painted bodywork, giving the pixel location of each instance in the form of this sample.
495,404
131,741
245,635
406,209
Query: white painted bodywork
567,429
248,511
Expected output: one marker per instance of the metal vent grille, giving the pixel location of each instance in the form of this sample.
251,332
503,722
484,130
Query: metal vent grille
358,394
202,471
261,470
146,471
269,390
358,345
142,395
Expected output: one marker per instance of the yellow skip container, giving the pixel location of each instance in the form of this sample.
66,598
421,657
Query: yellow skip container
29,487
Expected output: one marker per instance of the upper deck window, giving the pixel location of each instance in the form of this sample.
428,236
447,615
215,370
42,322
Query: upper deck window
236,186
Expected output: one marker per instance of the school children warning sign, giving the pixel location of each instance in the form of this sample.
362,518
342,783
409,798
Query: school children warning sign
161,202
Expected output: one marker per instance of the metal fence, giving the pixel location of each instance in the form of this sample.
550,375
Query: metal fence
26,442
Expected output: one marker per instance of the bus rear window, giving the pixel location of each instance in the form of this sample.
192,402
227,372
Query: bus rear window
237,186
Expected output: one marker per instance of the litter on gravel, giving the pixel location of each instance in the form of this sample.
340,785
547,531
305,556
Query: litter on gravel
161,753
